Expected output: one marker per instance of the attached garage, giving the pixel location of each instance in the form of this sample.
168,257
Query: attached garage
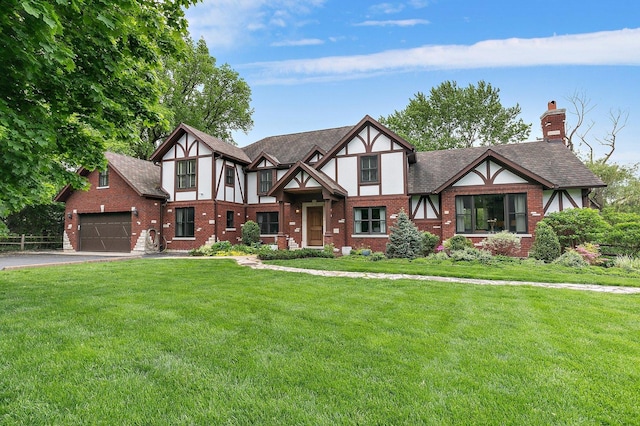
108,232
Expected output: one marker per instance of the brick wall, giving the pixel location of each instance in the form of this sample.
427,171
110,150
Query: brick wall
119,197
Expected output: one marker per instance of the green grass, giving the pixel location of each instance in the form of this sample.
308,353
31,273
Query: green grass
204,341
508,269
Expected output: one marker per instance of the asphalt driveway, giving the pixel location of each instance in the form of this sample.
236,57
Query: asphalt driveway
33,259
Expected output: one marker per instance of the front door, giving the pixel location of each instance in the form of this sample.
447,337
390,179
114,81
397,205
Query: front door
314,226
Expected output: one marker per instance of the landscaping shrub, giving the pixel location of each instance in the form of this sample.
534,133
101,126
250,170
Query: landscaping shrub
470,254
293,254
222,248
590,253
577,226
624,238
429,243
503,243
405,241
377,256
546,246
571,259
628,263
457,242
250,233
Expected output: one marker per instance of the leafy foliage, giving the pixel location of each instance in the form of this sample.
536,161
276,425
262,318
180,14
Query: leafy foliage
577,226
546,246
503,243
211,98
76,75
457,117
405,241
590,253
44,219
294,254
471,254
250,233
622,192
457,242
429,243
571,259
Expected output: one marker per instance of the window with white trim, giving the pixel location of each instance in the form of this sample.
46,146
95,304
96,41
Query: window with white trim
370,220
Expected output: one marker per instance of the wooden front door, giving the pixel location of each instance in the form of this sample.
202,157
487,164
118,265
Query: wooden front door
314,226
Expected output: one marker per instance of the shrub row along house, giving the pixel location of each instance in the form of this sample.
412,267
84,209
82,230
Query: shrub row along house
342,186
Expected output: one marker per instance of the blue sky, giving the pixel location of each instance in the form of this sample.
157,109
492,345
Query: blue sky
319,64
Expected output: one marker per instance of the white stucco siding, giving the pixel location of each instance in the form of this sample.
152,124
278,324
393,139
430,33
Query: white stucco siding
185,196
415,205
168,177
469,179
505,176
356,146
329,169
366,190
170,154
576,195
239,193
381,144
348,174
205,172
392,173
280,173
252,188
435,203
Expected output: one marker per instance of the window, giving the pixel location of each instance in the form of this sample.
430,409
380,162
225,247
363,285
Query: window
370,220
185,222
186,174
369,169
103,179
268,223
230,216
266,181
491,213
229,176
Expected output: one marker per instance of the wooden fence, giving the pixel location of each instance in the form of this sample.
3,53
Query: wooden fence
30,242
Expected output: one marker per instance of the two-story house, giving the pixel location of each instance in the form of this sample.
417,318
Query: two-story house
341,186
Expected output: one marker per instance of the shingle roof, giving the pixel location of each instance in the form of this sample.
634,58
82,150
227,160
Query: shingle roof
550,161
218,145
143,176
293,147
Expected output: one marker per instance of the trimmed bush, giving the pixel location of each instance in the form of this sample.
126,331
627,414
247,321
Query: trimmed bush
250,233
503,243
429,243
293,254
405,241
546,246
457,242
571,259
471,254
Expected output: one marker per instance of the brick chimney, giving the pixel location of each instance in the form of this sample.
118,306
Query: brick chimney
553,123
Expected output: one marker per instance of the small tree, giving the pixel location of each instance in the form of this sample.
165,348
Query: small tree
577,226
405,241
250,233
546,246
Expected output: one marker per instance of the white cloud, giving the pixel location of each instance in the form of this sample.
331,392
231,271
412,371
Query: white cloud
228,23
393,23
303,42
621,47
386,8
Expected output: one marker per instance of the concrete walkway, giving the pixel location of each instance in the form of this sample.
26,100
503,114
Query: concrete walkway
254,262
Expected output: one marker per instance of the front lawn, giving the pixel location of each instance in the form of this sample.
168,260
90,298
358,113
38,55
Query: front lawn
204,341
510,269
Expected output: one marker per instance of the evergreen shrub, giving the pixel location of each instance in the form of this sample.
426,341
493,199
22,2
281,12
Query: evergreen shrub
250,233
405,241
546,246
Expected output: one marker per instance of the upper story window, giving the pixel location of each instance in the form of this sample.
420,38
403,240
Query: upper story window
265,181
491,213
186,174
268,222
229,176
185,222
369,169
103,179
370,220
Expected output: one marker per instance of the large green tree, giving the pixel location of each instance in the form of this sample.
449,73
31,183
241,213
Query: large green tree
458,117
76,74
211,98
